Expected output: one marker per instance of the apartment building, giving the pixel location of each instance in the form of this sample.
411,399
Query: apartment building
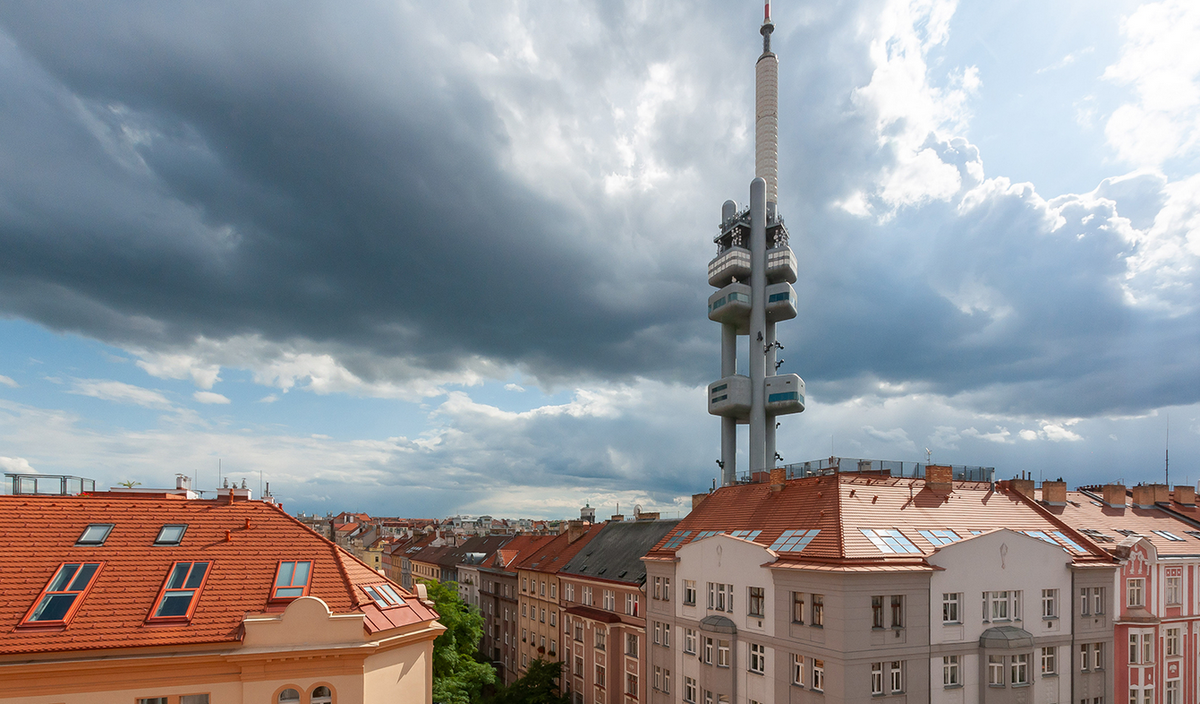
499,603
538,601
840,587
154,598
606,639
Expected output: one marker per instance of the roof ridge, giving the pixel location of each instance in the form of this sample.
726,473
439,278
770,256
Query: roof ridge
841,527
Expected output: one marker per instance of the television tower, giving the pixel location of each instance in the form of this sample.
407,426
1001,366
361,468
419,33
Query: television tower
754,271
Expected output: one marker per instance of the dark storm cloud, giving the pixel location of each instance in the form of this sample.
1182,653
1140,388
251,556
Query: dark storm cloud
304,172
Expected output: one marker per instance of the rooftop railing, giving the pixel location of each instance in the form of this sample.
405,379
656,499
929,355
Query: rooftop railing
49,484
893,468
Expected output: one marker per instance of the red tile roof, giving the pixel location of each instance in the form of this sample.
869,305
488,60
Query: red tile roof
244,541
552,556
841,506
1089,513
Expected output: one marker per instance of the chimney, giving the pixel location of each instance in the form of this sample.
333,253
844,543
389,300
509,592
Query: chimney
697,499
1185,495
1054,493
575,531
939,478
1143,496
616,518
1024,487
183,482
1162,494
1114,495
778,479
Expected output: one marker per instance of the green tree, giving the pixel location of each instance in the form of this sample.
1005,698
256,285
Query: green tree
538,686
458,678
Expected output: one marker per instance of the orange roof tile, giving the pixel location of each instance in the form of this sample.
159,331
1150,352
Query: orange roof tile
1088,513
552,556
38,533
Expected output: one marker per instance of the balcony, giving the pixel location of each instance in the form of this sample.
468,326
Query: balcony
784,393
732,305
730,397
732,263
781,265
781,302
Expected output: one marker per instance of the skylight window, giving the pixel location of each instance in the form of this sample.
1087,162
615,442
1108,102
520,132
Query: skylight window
746,534
676,540
707,534
939,537
1168,535
181,592
170,535
384,595
95,534
1097,535
1041,535
1194,533
890,540
63,595
794,540
1127,533
1067,541
291,580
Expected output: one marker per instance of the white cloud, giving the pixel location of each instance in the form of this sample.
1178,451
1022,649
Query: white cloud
1067,60
1028,434
7,381
119,392
1160,61
17,465
269,398
895,436
1000,434
514,387
178,366
1057,433
210,397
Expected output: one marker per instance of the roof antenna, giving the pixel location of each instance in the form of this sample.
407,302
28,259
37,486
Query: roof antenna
1167,454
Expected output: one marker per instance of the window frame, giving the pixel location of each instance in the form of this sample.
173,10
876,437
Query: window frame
758,659
80,595
159,542
275,586
163,591
1135,585
951,607
79,542
951,673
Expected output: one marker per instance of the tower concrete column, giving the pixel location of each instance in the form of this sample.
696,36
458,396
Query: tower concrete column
758,323
728,424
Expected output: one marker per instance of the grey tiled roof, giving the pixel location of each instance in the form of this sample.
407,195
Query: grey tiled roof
616,551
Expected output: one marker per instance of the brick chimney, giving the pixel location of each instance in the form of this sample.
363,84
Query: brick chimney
778,478
575,531
1185,495
698,499
1162,494
939,478
1054,493
1024,487
1114,495
1143,496
616,518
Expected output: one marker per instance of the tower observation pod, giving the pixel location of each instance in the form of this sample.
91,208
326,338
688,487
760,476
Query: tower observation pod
753,273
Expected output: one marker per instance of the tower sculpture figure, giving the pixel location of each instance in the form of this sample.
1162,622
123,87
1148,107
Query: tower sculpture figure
754,271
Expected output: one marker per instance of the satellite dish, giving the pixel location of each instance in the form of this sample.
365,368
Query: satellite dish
637,510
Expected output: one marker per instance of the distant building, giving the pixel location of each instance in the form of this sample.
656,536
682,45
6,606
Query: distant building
499,603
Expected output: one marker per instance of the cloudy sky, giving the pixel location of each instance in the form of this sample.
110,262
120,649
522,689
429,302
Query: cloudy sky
423,258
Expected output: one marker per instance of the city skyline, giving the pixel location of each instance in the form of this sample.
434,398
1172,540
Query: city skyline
417,267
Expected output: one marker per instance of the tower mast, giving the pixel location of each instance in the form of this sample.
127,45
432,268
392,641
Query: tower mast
754,270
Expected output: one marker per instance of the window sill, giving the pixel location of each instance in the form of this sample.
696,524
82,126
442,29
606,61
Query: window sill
756,672
952,686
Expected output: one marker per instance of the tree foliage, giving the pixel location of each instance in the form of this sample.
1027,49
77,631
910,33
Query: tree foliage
538,686
458,678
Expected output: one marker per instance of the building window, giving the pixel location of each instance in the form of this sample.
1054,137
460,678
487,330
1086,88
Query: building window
1098,656
897,611
897,677
996,670
1084,601
658,588
542,616
553,590
818,675
180,592
587,596
722,653
708,650
758,658
1020,669
1174,590
570,591
818,610
657,633
631,645
797,607
666,591
1097,600
720,597
757,601
1172,642
689,690
666,635
657,678
631,604
1049,603
542,589
798,669
63,594
525,584
171,535
553,647
689,641
578,666
877,619
599,637
291,580
950,608
1002,606
1084,651
553,618
610,600
1141,648
1134,590
578,631
94,534
876,678
1174,692
523,633
203,698
288,696
689,592
631,684
523,611
950,671
599,675
1049,661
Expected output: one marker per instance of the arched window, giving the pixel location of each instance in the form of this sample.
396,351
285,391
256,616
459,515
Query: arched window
322,695
288,696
